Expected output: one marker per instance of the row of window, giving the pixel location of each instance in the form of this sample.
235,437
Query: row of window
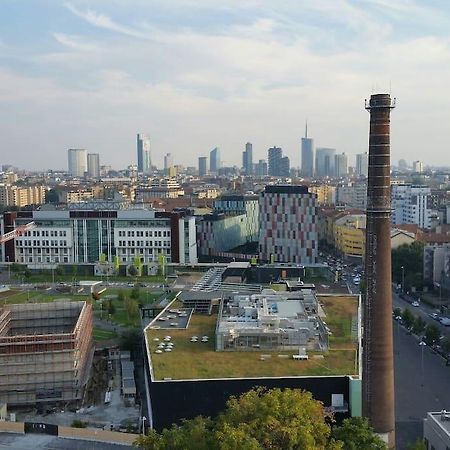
43,243
156,233
46,233
149,251
144,244
38,251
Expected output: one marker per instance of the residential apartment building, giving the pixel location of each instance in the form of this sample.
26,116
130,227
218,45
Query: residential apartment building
160,188
21,196
288,224
436,265
340,165
352,195
411,204
81,236
326,194
350,235
362,164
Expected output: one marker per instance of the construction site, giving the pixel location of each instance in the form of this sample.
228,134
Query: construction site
45,352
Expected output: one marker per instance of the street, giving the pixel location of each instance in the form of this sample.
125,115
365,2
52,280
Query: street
417,391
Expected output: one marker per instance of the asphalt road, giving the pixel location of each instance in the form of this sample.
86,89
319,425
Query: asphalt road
420,387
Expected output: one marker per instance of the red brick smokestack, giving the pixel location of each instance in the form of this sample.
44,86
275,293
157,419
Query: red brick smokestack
378,361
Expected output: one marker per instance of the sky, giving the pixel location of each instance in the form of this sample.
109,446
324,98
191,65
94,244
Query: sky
196,74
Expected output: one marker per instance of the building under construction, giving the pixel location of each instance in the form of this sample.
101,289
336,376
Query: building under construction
45,351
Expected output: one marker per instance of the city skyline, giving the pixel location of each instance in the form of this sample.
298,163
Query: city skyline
73,76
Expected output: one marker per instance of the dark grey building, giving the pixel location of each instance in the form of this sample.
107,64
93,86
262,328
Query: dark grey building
307,155
247,159
275,155
144,160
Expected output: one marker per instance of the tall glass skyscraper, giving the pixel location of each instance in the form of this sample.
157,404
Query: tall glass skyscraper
144,160
214,160
307,155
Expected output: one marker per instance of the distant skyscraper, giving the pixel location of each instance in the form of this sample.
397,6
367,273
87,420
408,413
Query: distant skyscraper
247,159
261,168
341,165
325,162
144,160
93,165
418,166
275,155
168,161
307,155
77,161
202,166
362,164
402,165
214,160
285,167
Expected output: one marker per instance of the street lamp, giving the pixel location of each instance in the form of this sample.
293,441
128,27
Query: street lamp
403,279
9,269
422,345
143,425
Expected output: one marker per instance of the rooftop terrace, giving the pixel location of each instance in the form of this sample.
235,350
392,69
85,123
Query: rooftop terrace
199,360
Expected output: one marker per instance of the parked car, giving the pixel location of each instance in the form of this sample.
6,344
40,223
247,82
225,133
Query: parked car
445,321
415,303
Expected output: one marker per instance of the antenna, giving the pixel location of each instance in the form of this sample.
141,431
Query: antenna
306,128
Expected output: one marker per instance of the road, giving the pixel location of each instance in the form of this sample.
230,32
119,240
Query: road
418,388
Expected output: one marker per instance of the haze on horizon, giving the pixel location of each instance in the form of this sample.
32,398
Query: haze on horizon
194,74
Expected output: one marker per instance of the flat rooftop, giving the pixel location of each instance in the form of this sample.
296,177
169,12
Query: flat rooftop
199,360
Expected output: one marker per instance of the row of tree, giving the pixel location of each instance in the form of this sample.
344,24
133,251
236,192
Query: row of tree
430,332
267,419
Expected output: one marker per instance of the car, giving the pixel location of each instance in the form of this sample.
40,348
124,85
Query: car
415,304
130,284
434,316
445,321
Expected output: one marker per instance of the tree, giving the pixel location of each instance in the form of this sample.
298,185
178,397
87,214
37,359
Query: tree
130,339
445,344
111,307
133,271
357,434
419,325
397,312
259,419
135,293
121,296
432,334
410,257
408,318
418,445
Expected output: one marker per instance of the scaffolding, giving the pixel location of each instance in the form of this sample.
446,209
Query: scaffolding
44,351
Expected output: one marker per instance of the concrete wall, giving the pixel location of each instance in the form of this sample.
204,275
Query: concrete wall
12,427
91,434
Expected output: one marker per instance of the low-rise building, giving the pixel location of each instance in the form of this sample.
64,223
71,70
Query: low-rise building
45,352
20,196
436,430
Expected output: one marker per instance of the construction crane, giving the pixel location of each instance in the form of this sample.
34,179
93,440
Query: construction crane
17,232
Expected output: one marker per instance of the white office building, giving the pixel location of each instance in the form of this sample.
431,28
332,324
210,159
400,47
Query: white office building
82,235
410,204
77,163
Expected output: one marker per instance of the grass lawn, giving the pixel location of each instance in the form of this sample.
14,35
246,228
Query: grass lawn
120,316
340,312
103,335
200,360
33,296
